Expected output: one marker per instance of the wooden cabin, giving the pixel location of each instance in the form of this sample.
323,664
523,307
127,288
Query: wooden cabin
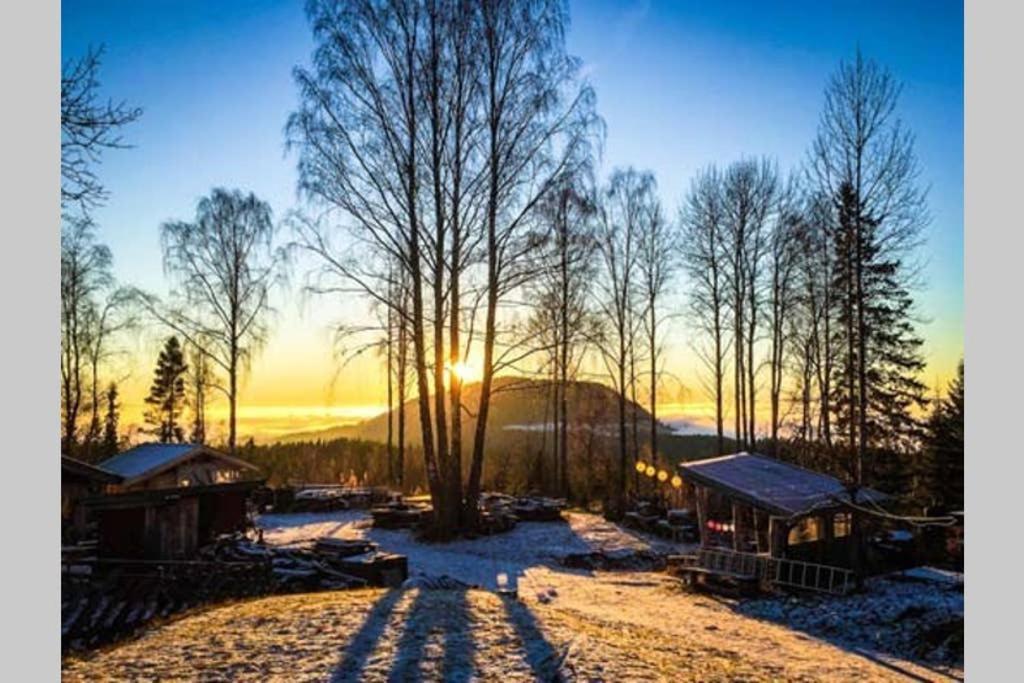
168,524
752,503
170,500
158,466
79,480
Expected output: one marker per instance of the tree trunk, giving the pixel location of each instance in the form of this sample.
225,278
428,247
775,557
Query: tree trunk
232,394
654,379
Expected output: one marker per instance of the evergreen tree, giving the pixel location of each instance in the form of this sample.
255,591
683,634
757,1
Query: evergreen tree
942,478
109,445
167,394
874,316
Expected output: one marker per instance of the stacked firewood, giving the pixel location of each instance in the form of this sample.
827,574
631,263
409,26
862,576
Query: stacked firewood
104,600
115,599
524,508
319,498
400,516
538,509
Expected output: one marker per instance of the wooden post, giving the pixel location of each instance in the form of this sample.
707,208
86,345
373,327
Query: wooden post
778,531
757,530
700,499
738,528
828,532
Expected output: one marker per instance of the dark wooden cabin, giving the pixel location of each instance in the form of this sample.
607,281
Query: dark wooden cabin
168,524
756,504
170,500
79,480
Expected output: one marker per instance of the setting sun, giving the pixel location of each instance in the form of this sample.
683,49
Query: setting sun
465,372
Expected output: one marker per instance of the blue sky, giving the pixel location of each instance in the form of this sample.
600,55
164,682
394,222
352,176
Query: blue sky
679,84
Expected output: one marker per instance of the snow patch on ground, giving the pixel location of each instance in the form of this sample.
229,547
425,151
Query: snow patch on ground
474,561
892,617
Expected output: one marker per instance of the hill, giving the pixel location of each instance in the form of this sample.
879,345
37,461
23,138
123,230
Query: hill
520,420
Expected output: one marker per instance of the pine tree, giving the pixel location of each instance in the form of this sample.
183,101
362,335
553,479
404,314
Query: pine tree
109,445
874,315
942,478
167,394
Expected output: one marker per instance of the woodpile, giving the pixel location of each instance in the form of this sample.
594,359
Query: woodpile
524,508
104,600
117,598
676,525
401,516
320,498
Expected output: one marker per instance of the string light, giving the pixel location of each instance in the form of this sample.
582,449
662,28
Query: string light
662,475
651,471
641,466
677,481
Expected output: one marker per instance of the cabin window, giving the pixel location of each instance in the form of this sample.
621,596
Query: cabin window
841,524
805,531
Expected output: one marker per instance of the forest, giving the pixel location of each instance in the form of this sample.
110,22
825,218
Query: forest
449,163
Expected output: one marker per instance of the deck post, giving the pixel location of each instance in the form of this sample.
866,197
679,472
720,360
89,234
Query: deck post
778,531
739,528
700,500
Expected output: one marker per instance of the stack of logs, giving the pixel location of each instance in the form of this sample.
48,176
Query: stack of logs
498,513
319,498
398,515
103,600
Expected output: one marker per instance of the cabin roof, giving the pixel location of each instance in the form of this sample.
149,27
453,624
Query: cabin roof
771,484
84,470
149,459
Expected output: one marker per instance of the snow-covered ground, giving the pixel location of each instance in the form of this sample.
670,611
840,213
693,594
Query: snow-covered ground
530,547
582,625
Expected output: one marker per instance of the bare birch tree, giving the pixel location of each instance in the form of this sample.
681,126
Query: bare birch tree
223,266
705,261
658,263
88,128
624,206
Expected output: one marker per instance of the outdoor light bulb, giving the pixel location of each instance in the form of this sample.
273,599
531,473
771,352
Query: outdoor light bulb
641,466
677,481
662,475
651,470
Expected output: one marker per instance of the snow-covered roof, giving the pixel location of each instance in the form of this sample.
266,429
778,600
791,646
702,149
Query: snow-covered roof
771,484
148,459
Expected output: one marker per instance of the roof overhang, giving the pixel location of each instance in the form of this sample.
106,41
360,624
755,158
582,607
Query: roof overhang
87,471
200,449
151,497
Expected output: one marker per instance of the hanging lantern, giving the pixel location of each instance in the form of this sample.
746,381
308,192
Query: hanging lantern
662,475
641,466
651,471
677,481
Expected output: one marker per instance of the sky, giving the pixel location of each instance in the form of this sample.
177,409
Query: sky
679,84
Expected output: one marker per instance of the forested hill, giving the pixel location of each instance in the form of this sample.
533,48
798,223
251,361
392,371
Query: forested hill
519,409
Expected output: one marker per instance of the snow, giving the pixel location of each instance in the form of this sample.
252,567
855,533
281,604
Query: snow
478,561
934,574
579,625
889,619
